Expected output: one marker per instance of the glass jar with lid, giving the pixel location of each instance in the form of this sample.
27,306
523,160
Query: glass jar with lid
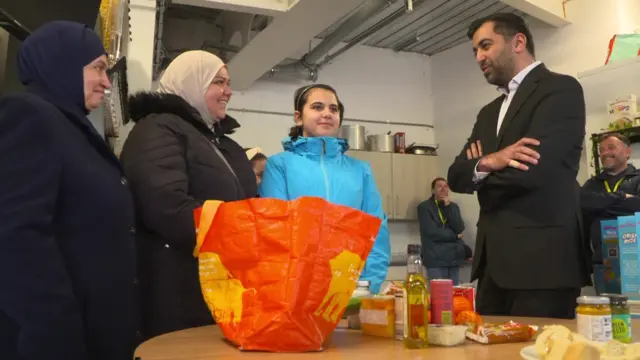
620,317
593,315
362,289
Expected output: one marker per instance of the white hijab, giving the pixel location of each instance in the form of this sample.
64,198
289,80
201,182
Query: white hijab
252,152
189,76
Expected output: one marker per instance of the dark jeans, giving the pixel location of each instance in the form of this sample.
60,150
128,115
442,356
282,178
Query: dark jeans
445,272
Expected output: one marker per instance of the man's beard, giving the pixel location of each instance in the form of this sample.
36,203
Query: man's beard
500,72
612,166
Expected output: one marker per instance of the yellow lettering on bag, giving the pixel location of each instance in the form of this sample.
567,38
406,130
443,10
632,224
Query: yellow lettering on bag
346,268
222,293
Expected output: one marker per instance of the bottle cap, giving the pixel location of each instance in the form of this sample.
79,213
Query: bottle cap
617,300
414,249
593,300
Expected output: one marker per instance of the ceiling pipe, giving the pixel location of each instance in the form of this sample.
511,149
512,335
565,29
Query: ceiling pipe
159,51
370,31
307,65
421,37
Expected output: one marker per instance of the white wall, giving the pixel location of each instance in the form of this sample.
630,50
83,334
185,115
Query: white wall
374,84
459,89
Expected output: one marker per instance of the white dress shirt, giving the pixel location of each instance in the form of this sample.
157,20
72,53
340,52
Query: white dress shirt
509,93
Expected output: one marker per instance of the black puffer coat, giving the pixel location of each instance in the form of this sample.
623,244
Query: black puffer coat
173,168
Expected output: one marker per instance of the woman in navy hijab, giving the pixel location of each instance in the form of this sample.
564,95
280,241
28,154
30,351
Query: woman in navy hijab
67,263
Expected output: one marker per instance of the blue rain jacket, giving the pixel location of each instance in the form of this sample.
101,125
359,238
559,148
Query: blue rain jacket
318,167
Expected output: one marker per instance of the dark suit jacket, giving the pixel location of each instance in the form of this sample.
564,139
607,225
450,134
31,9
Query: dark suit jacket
530,221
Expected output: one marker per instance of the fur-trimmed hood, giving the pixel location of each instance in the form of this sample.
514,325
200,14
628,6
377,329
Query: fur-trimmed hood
143,104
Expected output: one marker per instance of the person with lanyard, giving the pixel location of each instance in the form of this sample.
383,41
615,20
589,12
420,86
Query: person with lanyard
441,228
612,193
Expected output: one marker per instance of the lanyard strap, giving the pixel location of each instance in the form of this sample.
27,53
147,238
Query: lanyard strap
444,221
606,185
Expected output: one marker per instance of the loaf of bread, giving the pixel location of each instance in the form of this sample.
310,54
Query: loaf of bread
581,351
557,342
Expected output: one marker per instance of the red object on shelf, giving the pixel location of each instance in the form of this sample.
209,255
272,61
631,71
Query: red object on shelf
400,142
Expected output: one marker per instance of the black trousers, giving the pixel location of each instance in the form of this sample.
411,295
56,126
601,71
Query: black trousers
493,300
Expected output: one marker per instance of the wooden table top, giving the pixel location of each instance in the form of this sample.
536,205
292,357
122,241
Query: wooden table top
207,343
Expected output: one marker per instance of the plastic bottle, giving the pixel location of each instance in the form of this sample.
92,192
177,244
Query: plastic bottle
416,302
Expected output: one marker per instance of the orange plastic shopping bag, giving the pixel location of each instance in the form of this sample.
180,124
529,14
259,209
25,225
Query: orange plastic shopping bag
277,275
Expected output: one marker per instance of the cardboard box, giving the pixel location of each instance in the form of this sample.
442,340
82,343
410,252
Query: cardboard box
611,256
629,268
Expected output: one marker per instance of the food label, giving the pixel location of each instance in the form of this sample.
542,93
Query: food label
405,314
417,314
374,317
595,327
622,328
399,309
441,301
447,317
414,321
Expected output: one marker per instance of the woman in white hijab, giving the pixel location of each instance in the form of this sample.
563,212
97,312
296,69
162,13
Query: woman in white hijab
177,156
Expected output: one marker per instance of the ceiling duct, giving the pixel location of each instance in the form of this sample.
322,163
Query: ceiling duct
307,66
372,30
32,13
160,60
12,26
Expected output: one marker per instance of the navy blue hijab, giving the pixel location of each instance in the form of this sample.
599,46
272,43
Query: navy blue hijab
51,62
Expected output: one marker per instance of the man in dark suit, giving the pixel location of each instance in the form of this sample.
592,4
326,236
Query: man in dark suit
522,160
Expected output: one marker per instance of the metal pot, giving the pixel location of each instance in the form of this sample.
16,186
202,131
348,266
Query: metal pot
382,143
354,134
421,149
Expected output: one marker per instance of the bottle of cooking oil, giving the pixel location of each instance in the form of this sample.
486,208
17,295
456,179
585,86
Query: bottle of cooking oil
416,302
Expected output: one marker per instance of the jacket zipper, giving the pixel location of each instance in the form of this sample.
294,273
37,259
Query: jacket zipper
215,136
324,171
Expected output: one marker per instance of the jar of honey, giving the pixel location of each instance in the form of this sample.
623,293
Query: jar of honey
378,315
593,315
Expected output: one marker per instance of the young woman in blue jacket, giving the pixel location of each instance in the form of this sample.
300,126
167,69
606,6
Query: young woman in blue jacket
314,164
